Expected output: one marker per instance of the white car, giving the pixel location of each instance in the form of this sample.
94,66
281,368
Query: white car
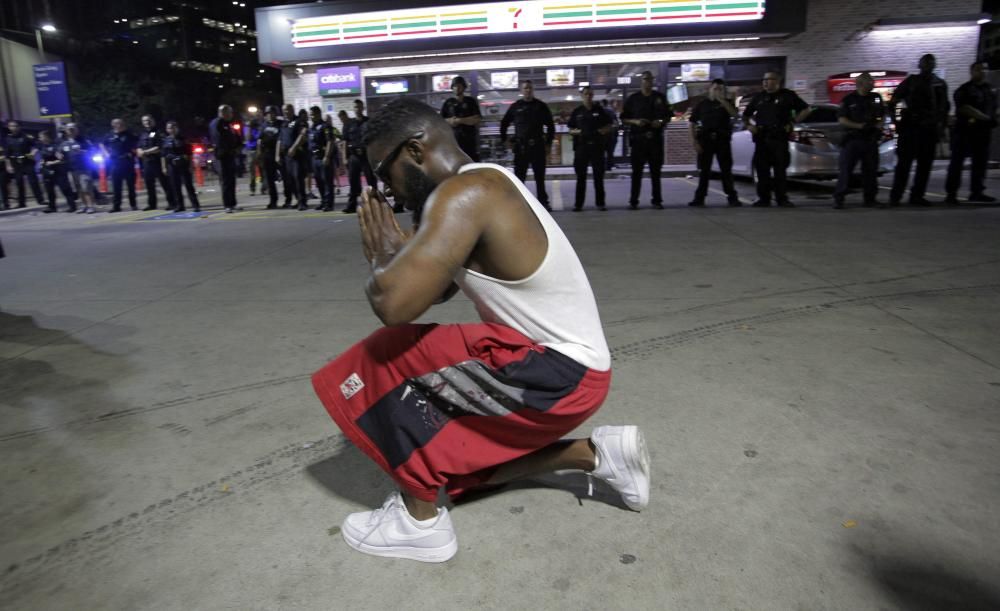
814,147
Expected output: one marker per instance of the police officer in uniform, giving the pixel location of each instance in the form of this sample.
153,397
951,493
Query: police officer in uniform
321,143
75,150
357,158
227,141
920,128
177,159
270,133
534,131
712,133
462,113
151,158
975,118
862,113
646,113
612,138
251,150
119,151
293,157
770,116
54,172
20,149
589,125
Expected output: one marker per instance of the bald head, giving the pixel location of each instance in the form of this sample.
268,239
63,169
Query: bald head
226,111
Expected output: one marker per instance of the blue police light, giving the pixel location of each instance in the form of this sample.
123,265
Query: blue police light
97,158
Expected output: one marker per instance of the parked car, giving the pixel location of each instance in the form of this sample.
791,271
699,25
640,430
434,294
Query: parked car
814,147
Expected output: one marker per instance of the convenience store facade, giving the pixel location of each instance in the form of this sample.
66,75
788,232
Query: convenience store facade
331,53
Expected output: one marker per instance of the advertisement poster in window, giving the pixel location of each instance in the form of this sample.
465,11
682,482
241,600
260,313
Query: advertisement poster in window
504,80
442,82
560,77
696,72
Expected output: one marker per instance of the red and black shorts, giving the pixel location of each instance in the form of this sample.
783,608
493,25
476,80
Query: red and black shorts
444,405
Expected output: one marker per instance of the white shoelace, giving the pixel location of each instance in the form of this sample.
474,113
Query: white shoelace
376,515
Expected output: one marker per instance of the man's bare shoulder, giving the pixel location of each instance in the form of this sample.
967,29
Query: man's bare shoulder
474,192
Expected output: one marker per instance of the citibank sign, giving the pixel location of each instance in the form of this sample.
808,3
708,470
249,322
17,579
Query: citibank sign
514,17
344,80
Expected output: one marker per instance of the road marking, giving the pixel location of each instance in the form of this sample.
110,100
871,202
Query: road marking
925,192
691,181
557,199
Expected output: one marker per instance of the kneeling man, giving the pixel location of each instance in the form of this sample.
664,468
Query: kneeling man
468,405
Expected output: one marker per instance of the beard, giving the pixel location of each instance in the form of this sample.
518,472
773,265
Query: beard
418,187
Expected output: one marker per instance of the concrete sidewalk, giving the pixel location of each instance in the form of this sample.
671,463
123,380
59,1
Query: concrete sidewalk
819,388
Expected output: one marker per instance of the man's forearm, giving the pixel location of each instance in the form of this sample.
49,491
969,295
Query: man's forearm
973,113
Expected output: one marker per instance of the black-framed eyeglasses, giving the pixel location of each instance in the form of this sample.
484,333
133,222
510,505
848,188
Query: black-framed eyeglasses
381,170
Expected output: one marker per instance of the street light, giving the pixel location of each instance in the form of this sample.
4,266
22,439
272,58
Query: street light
48,27
251,110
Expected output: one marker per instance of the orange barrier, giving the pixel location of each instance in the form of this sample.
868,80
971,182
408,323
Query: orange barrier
199,175
139,184
102,179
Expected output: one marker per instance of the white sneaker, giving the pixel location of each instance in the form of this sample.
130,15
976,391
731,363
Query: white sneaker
623,462
392,532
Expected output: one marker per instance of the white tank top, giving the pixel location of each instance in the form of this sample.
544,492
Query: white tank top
555,305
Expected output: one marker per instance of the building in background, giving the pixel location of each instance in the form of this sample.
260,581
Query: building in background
183,56
561,46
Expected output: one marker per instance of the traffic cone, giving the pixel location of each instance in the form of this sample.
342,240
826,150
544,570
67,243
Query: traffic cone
139,184
102,179
199,175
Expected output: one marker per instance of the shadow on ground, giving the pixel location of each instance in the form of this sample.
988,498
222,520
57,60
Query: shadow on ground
931,587
352,476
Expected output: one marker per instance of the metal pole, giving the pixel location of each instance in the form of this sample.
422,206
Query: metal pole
38,41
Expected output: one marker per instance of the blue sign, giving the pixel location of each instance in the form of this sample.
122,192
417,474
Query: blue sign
339,81
53,95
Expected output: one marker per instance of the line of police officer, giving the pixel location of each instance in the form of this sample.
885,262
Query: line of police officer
300,145
294,148
770,116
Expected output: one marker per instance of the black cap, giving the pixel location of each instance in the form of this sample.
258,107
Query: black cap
272,108
459,80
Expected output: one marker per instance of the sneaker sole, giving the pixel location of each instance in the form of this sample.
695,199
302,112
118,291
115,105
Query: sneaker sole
420,554
634,446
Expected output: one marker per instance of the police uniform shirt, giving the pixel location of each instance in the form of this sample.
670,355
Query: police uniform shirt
652,107
174,147
49,152
120,144
269,135
319,135
354,133
979,96
19,146
74,152
926,98
289,133
253,137
712,117
226,141
589,121
150,139
467,107
774,110
532,121
866,109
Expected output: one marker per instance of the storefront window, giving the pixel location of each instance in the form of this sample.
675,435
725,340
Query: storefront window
685,83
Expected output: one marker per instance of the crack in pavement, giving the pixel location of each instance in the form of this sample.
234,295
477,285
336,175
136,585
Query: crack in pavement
288,461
